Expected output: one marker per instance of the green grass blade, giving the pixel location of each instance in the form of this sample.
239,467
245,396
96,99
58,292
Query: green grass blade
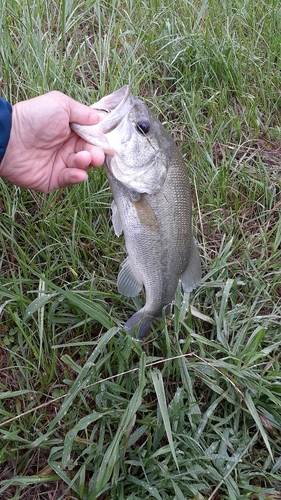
114,451
253,411
158,383
83,377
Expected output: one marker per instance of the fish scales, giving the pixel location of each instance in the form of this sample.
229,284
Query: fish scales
156,220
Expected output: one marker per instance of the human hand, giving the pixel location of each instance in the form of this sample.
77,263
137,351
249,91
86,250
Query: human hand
43,152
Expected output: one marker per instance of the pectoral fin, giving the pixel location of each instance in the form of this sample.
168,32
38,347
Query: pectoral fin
192,274
145,214
116,219
127,283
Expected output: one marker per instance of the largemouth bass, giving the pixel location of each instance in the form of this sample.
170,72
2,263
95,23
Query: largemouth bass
152,203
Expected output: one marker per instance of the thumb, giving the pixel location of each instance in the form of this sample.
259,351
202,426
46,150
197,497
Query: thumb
82,114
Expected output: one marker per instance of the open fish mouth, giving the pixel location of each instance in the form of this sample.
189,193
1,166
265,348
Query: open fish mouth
114,101
113,108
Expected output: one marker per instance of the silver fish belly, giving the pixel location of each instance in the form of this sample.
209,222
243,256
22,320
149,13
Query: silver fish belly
155,215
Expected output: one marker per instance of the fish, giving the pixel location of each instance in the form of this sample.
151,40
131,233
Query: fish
151,205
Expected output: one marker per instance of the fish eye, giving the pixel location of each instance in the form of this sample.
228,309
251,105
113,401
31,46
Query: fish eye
143,126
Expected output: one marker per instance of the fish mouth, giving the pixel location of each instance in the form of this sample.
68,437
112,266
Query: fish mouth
115,102
112,109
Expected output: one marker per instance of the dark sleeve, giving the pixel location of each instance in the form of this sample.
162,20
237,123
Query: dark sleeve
5,125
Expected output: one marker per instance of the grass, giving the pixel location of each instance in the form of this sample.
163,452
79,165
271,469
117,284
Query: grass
195,411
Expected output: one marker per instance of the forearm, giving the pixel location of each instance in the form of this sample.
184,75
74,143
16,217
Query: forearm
5,125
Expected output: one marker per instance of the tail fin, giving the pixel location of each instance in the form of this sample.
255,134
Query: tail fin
140,322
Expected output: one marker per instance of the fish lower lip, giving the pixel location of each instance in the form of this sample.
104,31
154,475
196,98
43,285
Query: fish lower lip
103,110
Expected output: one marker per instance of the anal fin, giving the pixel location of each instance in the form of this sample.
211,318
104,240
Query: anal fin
127,282
192,274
